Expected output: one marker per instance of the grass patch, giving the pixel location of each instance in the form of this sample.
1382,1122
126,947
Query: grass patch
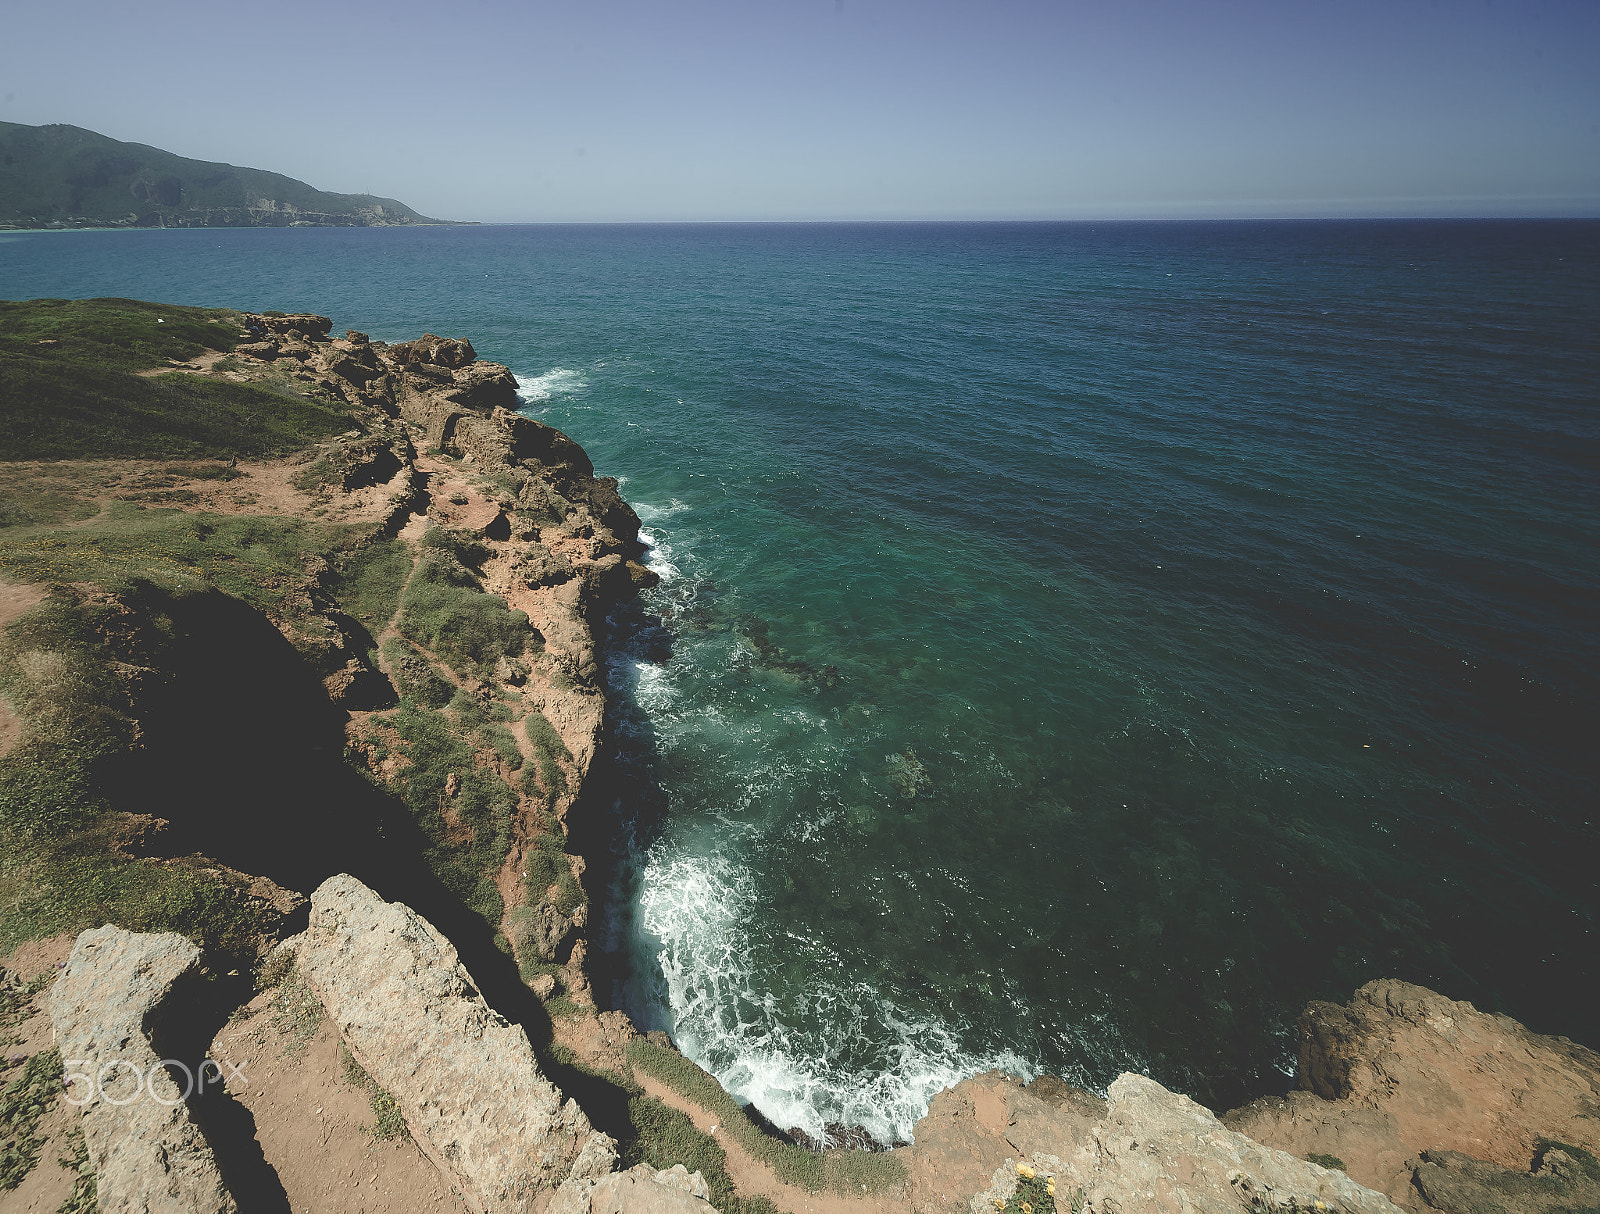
499,738
79,397
387,1121
470,833
23,1102
296,1013
840,1171
444,608
548,751
1331,1162
419,681
369,581
257,558
663,1137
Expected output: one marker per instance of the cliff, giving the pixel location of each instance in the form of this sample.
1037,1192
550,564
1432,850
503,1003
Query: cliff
61,176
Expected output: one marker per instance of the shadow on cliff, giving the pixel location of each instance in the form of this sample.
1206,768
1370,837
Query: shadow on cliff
243,755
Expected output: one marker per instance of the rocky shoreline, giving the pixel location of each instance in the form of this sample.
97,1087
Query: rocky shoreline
454,630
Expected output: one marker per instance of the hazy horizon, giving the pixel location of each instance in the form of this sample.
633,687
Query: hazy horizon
854,110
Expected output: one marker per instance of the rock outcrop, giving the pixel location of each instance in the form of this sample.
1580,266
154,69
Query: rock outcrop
1438,1104
1143,1148
639,1190
464,1078
149,1156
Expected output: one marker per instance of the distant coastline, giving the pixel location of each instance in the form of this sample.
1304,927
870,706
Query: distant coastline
60,177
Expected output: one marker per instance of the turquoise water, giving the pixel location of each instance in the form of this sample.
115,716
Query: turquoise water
1079,645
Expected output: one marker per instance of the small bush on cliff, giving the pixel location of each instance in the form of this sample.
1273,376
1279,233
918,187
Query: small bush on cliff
419,681
370,580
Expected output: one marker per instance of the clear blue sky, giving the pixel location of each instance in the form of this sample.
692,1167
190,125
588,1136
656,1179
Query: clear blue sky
849,109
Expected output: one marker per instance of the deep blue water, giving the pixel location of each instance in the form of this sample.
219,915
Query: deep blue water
1081,643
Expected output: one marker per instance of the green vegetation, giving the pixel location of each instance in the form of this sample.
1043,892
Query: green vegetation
418,680
445,609
840,1171
370,580
548,750
388,1122
58,786
68,388
469,832
83,1198
258,558
1332,1162
24,1101
296,1013
68,176
665,1137
1035,1194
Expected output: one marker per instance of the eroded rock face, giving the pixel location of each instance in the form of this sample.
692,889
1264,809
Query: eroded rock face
1156,1150
465,1079
1452,1077
307,324
149,1156
1432,1101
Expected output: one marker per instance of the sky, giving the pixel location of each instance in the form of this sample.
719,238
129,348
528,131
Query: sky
643,110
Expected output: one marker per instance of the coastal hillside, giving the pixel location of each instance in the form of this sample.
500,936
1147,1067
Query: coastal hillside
60,176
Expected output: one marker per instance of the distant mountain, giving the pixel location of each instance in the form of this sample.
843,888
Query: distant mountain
61,176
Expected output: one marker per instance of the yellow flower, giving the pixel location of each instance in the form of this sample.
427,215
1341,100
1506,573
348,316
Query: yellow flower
1024,1170
1050,1186
1026,1208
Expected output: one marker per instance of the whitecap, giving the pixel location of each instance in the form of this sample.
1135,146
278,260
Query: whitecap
558,381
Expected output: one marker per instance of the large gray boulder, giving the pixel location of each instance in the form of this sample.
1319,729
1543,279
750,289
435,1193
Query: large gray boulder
149,1157
465,1079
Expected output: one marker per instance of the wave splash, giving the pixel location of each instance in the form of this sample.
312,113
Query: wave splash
556,382
706,988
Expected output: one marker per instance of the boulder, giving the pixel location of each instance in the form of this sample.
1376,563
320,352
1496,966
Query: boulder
149,1157
464,1078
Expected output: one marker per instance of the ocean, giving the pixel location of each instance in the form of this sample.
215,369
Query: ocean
1079,645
